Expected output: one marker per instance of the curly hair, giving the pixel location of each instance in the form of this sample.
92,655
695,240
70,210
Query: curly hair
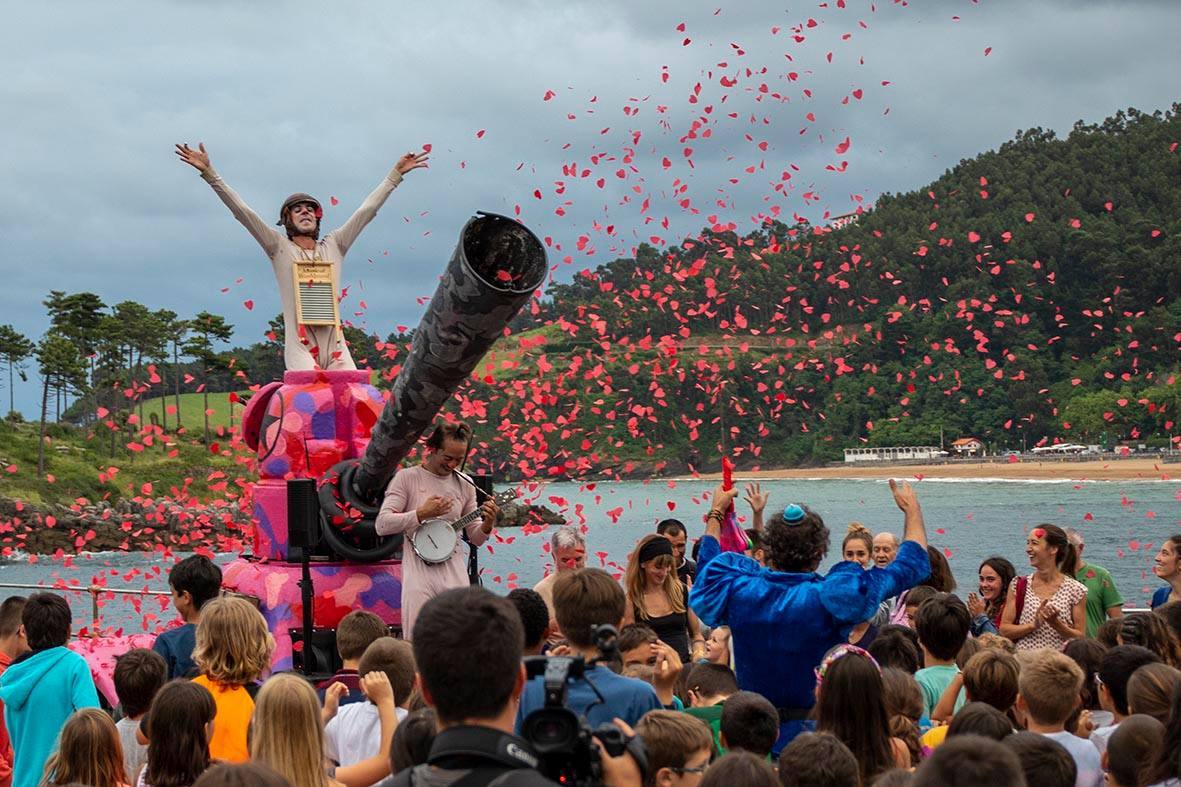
797,547
233,643
1149,630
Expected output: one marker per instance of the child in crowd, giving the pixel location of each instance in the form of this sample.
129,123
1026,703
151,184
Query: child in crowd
286,733
1044,762
584,599
44,689
534,617
942,624
353,733
179,727
1150,690
898,647
912,600
679,745
978,718
904,708
412,740
749,723
244,775
710,685
1133,744
991,677
356,632
741,768
637,645
13,645
849,705
970,761
1048,693
88,753
1165,764
194,581
1115,671
817,759
139,674
233,648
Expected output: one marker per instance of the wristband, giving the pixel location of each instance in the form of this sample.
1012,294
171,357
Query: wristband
715,514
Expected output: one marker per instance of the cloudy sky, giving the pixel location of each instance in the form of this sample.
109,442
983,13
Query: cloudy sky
628,127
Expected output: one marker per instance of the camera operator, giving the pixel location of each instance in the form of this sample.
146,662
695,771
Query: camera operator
468,646
584,600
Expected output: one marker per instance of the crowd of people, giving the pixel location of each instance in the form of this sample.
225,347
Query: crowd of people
730,667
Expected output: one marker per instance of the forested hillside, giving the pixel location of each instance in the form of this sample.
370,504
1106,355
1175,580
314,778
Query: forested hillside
1030,294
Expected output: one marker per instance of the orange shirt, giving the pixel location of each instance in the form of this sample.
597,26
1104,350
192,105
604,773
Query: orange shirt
230,722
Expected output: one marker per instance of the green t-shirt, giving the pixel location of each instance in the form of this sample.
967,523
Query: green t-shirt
1101,595
711,715
934,681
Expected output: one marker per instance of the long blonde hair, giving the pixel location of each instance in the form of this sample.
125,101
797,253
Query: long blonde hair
634,580
233,644
89,752
286,733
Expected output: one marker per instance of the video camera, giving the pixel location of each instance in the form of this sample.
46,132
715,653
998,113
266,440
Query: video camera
562,738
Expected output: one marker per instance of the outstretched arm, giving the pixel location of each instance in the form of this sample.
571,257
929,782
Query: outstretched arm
913,528
264,233
348,232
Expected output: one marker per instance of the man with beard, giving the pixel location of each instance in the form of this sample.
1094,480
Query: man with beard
305,346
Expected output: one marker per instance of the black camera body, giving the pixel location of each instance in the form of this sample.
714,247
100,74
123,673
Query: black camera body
564,740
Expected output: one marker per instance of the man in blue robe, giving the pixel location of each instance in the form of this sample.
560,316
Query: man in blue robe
783,616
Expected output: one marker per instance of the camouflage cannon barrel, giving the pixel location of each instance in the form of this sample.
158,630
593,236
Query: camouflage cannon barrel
496,267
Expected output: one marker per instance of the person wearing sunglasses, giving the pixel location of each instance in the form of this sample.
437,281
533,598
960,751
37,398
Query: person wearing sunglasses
784,616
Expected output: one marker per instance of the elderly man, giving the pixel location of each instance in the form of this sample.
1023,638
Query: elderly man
305,346
1103,598
885,547
568,549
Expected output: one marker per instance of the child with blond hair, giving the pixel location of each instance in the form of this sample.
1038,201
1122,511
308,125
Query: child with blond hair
233,649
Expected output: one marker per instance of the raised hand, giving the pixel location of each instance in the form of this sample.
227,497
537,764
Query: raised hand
756,498
904,496
975,605
377,688
332,697
723,498
197,159
412,161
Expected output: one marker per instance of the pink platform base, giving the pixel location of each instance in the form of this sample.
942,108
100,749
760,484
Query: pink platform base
339,588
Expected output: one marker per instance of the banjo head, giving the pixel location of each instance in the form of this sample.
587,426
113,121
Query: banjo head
434,541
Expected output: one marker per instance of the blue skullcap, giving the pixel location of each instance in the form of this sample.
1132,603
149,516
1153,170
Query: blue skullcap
793,514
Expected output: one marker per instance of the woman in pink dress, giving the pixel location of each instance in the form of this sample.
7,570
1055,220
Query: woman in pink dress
1048,607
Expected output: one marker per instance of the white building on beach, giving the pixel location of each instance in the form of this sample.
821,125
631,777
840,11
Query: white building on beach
894,453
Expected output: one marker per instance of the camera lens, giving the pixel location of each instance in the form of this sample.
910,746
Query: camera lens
547,730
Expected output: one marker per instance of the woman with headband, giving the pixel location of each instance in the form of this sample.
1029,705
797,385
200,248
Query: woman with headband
657,598
784,616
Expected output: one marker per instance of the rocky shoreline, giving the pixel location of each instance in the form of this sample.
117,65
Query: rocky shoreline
147,525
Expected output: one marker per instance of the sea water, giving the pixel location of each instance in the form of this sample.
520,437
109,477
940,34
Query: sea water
1123,523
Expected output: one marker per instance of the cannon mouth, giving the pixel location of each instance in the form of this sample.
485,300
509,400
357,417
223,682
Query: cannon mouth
503,253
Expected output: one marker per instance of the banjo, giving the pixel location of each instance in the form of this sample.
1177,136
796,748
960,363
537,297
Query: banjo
434,540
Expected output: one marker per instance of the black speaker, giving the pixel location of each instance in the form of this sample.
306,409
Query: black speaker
303,514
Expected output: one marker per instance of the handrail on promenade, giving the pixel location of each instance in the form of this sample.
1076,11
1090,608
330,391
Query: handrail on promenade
94,590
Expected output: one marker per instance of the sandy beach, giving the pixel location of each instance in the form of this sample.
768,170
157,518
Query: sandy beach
1101,469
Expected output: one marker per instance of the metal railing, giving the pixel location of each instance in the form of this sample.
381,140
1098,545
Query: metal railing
94,590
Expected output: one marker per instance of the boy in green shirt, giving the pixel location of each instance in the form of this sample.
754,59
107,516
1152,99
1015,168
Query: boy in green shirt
942,624
710,685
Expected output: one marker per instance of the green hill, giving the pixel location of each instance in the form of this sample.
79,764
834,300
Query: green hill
1030,294
192,409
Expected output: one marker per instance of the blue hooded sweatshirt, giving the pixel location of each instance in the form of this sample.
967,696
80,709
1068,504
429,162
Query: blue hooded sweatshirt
40,692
